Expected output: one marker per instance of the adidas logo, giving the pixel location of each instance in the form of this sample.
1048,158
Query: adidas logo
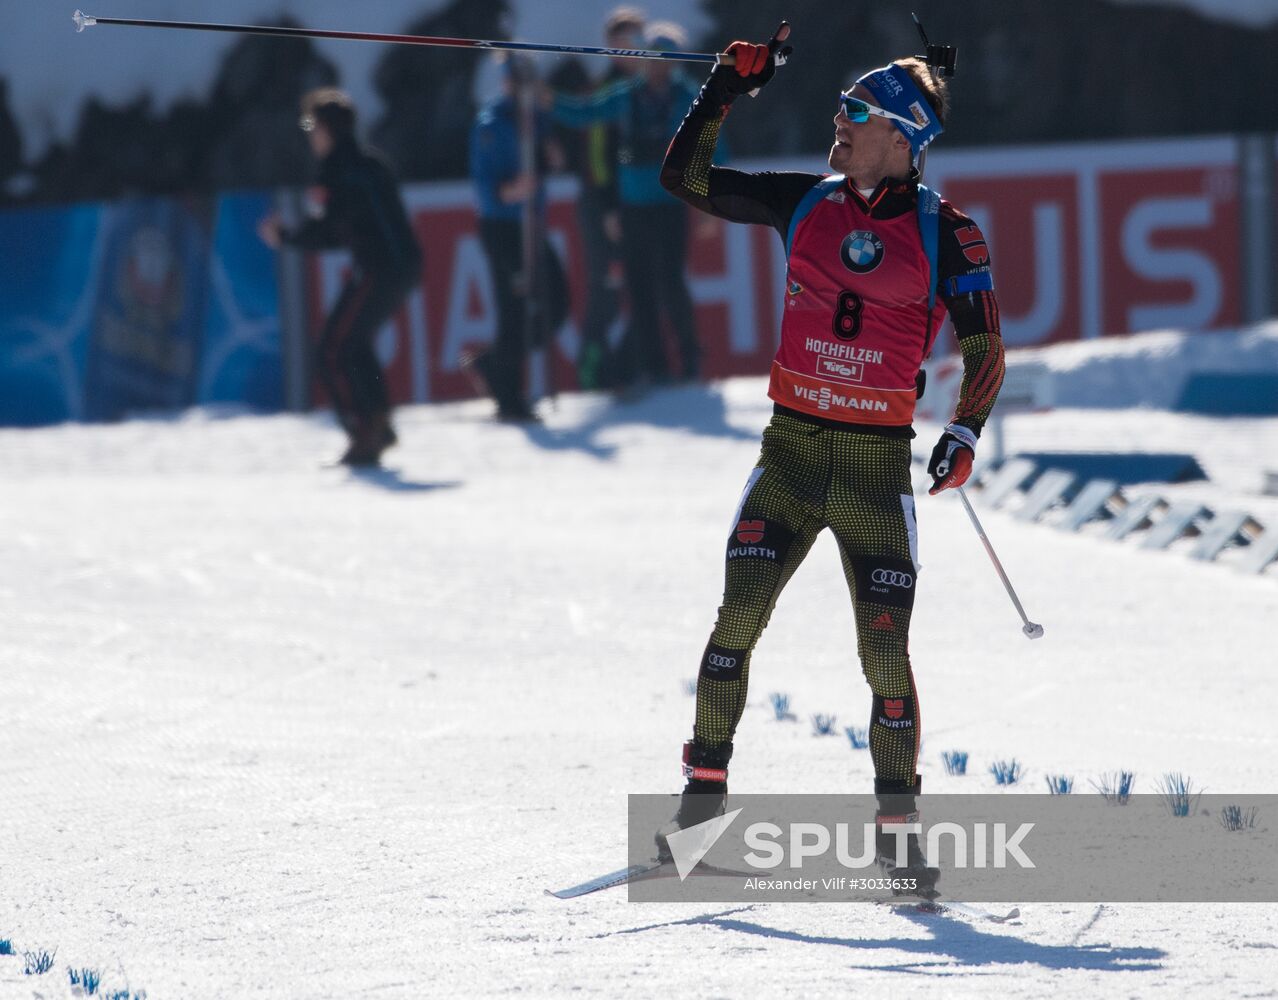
883,623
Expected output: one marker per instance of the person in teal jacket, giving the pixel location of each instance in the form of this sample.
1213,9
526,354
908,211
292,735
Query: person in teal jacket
646,110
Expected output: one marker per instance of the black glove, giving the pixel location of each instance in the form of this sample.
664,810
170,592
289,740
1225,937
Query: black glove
753,65
951,462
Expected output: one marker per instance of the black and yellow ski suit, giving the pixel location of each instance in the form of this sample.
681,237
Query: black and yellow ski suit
824,462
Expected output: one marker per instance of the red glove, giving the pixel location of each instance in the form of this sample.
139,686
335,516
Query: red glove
749,59
753,65
951,462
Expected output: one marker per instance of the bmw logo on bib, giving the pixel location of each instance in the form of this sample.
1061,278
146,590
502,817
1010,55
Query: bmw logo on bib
862,251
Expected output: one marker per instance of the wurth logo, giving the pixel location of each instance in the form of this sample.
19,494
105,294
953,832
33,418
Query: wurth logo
758,551
893,715
972,241
825,399
744,541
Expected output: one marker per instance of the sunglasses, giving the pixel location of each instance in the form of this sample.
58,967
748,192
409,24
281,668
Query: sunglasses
858,111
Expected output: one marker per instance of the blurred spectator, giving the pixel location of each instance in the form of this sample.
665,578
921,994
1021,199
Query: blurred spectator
10,139
598,215
526,271
363,212
646,110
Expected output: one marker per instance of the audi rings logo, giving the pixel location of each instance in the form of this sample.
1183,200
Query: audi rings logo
891,578
721,661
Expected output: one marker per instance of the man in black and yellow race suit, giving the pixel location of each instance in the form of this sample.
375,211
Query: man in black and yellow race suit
875,260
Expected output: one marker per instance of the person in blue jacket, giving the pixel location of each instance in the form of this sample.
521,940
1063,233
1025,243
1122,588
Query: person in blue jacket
646,110
503,188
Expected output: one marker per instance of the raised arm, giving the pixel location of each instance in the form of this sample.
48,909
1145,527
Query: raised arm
767,198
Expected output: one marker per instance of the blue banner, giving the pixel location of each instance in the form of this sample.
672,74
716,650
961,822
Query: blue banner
241,360
152,304
148,317
47,290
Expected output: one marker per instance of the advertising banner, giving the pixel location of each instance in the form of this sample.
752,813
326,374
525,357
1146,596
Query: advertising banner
164,303
1093,240
154,304
148,311
51,261
733,278
240,357
1086,241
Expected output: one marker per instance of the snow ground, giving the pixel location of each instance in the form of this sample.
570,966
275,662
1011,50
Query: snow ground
274,730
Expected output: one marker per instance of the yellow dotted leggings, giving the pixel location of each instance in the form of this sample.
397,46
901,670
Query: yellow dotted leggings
809,478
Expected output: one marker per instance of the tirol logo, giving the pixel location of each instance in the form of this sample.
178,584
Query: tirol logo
893,708
861,251
845,371
750,532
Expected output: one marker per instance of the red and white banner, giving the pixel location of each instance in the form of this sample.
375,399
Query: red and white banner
1086,240
1092,240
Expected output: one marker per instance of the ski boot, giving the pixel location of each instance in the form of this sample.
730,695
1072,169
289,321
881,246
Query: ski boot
897,806
370,437
705,792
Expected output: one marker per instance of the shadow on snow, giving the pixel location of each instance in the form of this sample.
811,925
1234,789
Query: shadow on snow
699,409
393,481
958,941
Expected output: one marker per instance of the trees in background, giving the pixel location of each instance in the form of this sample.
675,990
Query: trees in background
1091,69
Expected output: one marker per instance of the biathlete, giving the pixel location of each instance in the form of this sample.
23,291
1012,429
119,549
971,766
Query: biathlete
875,261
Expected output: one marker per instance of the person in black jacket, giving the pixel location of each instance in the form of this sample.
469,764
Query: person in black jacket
364,213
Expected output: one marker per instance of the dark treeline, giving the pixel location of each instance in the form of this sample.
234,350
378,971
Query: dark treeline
245,134
1029,71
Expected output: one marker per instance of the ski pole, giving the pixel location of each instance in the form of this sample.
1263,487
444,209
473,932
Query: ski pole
1031,629
83,20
